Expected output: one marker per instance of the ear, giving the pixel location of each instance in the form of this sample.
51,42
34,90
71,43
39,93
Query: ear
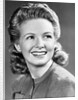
17,46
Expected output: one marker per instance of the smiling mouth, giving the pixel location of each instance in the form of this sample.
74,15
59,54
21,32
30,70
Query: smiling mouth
39,53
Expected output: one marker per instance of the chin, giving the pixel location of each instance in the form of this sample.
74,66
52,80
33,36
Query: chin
40,63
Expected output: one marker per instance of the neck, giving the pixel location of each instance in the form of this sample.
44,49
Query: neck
37,72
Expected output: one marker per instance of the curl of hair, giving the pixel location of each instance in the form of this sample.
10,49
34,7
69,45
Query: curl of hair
25,13
60,56
17,61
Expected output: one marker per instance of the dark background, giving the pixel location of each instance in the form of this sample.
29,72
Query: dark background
66,13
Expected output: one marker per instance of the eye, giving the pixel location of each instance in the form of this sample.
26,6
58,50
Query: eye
48,36
30,37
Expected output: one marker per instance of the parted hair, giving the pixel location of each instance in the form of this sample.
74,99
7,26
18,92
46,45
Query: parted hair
25,13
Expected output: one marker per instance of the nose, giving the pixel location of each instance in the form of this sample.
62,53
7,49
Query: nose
39,43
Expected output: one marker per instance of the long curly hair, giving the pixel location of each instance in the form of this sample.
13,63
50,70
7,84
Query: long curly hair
28,12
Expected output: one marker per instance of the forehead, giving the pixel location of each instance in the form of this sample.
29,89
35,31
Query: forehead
36,26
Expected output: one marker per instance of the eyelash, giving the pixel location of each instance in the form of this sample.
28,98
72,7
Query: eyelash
48,36
30,37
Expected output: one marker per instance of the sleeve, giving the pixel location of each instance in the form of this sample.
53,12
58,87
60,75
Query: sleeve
16,87
70,90
63,88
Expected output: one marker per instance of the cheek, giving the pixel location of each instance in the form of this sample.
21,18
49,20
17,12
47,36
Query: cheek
50,46
26,47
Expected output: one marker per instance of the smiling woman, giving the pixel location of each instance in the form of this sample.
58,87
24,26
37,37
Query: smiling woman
35,52
37,41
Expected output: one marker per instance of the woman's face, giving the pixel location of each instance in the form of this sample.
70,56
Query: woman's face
37,41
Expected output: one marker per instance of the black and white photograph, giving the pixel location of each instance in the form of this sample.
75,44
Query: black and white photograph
39,50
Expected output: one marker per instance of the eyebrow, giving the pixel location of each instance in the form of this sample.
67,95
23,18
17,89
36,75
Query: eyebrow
30,33
47,33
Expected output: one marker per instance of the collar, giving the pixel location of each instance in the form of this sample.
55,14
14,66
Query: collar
38,80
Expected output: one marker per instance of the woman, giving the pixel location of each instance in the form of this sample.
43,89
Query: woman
34,31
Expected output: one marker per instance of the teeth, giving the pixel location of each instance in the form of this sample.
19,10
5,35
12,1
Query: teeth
39,53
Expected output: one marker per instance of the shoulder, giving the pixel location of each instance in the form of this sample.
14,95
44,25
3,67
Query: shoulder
19,82
63,83
62,73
